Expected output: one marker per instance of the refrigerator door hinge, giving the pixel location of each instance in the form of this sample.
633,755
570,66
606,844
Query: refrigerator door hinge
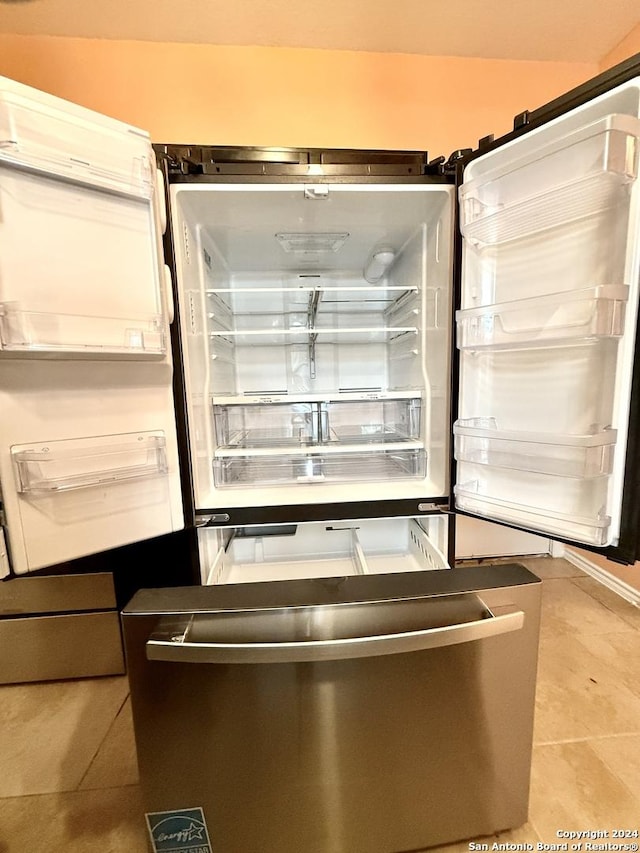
212,520
436,166
455,157
521,120
429,507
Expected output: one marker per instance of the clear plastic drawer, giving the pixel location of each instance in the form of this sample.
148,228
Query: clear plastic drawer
278,424
372,421
286,469
268,425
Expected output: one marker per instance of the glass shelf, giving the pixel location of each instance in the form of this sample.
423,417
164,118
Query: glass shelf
479,441
590,531
39,332
319,467
281,299
595,312
582,174
58,466
346,335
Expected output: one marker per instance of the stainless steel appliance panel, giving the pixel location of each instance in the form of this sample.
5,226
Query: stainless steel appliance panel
381,753
59,626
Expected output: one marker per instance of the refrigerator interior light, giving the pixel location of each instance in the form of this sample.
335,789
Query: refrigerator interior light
378,264
315,242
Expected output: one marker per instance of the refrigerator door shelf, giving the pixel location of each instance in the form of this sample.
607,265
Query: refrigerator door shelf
338,549
478,440
26,333
319,465
72,143
545,321
573,176
474,497
77,463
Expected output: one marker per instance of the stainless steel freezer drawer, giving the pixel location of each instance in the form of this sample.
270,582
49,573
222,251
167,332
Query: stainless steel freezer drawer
370,714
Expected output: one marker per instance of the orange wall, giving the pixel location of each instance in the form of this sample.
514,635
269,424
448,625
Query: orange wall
278,96
629,45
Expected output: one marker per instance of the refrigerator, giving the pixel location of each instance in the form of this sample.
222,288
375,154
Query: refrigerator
265,367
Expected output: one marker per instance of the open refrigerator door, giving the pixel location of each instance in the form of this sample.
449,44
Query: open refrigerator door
88,448
546,329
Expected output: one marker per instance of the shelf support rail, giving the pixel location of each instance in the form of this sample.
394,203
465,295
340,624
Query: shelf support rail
312,312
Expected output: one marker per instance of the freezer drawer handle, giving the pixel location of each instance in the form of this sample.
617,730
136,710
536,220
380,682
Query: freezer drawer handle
173,645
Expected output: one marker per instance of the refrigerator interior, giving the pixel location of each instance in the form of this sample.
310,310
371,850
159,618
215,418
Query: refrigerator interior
546,330
337,549
316,338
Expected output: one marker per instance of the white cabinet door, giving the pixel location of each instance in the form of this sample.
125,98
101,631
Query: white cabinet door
88,448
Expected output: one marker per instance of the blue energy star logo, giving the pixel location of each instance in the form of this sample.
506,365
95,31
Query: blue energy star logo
181,831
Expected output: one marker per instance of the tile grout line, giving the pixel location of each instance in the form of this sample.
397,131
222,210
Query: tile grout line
106,735
68,791
586,739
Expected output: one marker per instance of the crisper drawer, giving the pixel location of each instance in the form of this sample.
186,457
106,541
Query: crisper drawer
323,549
318,466
302,421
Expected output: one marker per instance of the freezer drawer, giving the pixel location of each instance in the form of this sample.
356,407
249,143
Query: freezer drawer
369,716
59,626
235,555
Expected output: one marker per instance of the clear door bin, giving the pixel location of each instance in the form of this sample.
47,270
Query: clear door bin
57,466
595,312
80,269
589,530
318,467
478,440
582,174
29,332
72,142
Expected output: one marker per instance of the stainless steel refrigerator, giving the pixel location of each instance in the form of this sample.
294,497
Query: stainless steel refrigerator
283,380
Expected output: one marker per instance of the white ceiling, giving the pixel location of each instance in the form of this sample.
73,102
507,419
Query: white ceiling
569,30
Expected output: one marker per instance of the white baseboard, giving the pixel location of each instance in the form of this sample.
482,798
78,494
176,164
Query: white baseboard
624,590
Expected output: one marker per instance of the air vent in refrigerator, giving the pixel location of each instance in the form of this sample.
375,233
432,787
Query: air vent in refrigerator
301,243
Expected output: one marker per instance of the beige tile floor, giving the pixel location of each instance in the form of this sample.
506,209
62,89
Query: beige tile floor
68,775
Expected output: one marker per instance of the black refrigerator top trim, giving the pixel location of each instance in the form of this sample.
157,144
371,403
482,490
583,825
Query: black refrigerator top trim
298,513
309,165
